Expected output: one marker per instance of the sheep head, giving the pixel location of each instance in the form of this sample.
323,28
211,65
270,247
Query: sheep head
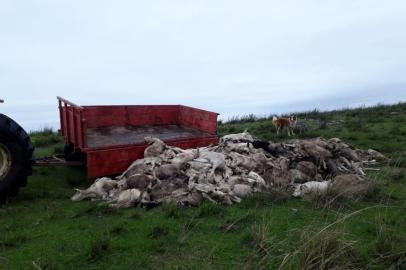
300,190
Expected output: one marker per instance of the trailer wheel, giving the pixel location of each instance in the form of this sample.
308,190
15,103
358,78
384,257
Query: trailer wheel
16,157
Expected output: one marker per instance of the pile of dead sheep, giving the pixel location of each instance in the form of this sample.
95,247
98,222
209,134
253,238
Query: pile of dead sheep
237,167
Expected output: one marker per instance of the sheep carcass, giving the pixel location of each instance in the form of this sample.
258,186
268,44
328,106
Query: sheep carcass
217,160
243,148
202,176
168,171
99,189
185,156
130,197
141,166
242,191
239,137
254,162
256,181
310,187
142,182
155,147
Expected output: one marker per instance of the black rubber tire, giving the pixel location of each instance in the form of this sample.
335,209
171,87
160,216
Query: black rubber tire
14,138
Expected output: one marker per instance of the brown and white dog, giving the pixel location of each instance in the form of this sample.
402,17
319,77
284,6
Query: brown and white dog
288,123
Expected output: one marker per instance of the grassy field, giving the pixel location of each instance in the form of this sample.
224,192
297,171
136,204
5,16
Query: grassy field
43,229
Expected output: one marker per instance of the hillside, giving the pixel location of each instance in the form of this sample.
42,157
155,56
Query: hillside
43,229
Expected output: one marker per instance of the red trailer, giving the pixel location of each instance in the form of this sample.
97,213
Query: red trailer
112,137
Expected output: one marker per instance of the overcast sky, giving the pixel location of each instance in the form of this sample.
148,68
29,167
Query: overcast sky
232,57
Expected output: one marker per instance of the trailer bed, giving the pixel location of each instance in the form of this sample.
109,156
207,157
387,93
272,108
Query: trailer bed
111,137
104,137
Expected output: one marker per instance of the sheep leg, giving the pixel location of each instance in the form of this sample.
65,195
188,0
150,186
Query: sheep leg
154,173
207,197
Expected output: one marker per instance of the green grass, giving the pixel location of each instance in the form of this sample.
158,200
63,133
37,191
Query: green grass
47,142
43,229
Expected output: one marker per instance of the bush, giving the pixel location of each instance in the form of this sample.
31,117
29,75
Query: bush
241,119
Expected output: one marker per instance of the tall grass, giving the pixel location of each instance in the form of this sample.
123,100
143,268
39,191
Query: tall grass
330,249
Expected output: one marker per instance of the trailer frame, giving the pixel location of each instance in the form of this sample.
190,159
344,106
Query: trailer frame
78,121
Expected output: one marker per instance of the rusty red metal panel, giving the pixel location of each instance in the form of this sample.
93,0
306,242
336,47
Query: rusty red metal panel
112,161
153,115
116,160
83,131
200,119
80,134
60,117
68,128
77,129
71,122
102,116
63,120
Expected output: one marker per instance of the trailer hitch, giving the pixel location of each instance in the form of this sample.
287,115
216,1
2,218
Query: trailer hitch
57,160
